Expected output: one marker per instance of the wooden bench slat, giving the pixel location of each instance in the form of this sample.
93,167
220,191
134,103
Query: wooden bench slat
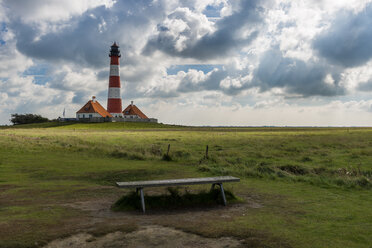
175,182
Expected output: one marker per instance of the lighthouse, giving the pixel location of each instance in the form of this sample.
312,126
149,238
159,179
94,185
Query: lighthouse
114,106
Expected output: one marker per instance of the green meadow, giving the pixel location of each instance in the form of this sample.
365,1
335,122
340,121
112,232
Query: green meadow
300,187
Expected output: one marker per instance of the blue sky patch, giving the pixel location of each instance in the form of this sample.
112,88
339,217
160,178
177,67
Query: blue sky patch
3,27
40,72
213,11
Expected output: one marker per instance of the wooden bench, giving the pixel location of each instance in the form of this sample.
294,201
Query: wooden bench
139,185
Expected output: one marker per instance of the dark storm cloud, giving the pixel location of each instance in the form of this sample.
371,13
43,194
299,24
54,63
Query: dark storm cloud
85,41
73,44
292,75
347,41
217,44
296,76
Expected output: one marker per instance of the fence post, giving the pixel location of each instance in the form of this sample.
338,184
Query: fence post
168,150
206,152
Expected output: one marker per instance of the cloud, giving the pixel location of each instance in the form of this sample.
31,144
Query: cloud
25,96
51,11
195,80
85,39
365,86
72,45
347,41
191,35
310,78
252,58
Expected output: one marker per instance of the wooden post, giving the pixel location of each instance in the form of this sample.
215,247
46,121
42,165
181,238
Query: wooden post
206,152
168,150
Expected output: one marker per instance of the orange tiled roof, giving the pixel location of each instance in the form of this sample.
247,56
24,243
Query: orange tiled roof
94,107
133,110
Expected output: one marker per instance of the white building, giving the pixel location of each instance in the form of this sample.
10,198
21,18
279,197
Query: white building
92,109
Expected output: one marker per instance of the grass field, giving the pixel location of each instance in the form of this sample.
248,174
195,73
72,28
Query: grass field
301,187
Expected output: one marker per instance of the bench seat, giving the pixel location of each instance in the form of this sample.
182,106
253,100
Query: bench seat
177,182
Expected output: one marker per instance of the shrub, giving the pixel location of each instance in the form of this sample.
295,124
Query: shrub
131,156
264,168
17,119
294,169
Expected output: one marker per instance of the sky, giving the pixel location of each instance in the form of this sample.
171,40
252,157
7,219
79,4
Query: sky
195,62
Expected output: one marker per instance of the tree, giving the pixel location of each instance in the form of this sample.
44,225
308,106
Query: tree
27,118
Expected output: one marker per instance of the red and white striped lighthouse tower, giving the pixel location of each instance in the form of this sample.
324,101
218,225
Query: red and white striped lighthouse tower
114,106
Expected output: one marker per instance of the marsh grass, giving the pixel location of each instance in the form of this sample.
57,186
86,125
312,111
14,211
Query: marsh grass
339,158
174,199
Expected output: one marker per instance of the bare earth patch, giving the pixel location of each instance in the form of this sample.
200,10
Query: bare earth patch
146,236
160,228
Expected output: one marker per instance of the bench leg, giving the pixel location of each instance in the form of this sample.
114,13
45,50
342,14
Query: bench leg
222,194
142,199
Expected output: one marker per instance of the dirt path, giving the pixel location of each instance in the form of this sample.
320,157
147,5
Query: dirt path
147,236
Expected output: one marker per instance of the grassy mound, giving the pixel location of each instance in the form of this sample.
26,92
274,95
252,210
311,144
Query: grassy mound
174,200
84,126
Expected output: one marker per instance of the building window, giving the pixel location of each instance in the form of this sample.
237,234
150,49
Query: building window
90,116
83,115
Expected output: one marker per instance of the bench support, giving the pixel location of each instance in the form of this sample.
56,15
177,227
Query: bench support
222,192
140,189
142,199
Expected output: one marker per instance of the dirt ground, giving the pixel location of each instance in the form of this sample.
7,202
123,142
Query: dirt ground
160,228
